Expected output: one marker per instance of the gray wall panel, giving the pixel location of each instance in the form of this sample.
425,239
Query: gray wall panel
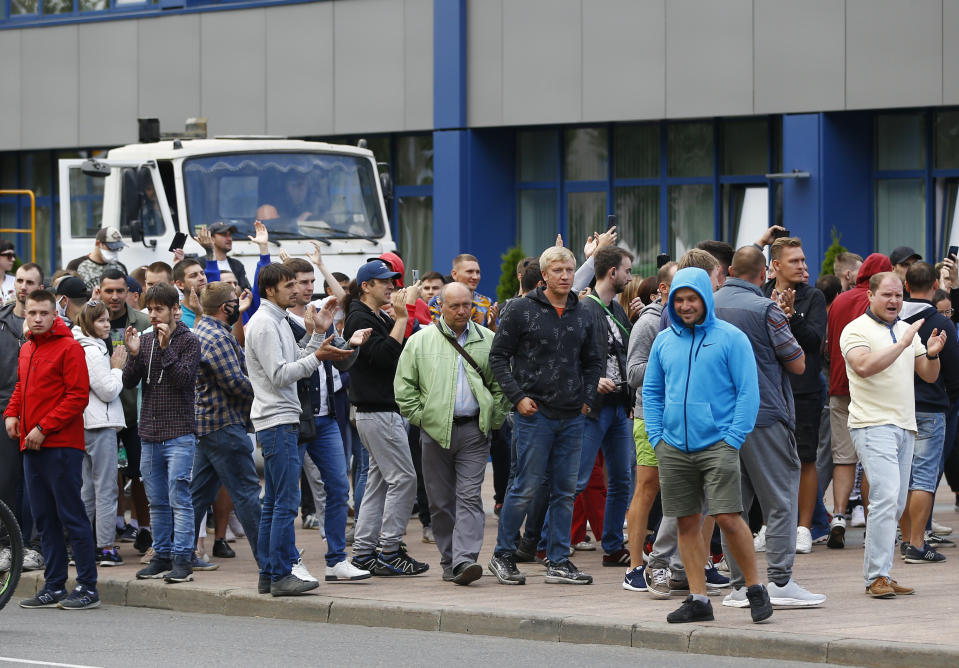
542,61
108,79
233,71
49,87
484,57
368,65
893,53
418,64
950,52
624,59
799,56
299,69
169,78
10,85
709,58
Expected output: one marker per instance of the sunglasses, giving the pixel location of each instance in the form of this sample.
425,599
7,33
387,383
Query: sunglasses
9,254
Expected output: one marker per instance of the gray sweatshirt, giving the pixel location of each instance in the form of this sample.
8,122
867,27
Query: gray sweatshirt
275,363
645,330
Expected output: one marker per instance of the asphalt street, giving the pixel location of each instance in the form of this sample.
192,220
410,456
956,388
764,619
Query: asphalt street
124,636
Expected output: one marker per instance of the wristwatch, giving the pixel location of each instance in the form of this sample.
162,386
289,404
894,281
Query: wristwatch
40,429
931,357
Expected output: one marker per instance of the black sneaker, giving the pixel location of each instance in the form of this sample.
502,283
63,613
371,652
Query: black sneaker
503,566
759,604
934,540
222,549
468,571
691,611
143,542
81,598
923,555
525,553
678,586
128,535
904,547
46,598
837,533
156,569
564,572
398,563
198,564
292,586
448,574
263,584
365,562
108,556
182,571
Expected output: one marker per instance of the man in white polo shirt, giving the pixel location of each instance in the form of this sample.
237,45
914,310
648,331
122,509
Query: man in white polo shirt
881,354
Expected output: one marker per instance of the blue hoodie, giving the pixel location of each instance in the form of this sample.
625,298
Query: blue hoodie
701,385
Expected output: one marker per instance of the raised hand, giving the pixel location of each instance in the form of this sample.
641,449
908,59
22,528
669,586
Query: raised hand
607,238
177,255
767,237
131,338
936,342
284,256
323,318
590,246
204,238
910,333
398,302
559,240
246,300
316,257
163,333
118,358
261,237
360,337
412,292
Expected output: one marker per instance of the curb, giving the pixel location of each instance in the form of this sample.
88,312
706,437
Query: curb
691,639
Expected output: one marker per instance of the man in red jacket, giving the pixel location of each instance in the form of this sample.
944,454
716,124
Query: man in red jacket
46,414
847,307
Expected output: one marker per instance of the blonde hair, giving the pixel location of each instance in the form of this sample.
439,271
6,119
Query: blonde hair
555,254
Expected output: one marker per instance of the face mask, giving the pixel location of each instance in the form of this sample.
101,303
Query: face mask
232,315
62,309
109,255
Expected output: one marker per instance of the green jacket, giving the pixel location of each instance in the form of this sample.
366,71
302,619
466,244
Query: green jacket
425,381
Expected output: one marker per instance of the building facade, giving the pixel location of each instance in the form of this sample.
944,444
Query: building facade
509,121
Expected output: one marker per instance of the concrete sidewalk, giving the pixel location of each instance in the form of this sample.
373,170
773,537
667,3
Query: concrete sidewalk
850,629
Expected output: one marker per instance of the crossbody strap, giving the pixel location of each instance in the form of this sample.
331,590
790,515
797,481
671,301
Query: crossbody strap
610,314
466,356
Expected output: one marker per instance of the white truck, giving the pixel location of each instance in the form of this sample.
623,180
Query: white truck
301,190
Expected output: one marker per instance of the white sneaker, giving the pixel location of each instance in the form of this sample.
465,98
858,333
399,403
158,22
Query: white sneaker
858,517
791,595
722,565
147,556
6,559
587,545
299,570
345,572
32,560
736,599
940,529
759,540
803,540
234,526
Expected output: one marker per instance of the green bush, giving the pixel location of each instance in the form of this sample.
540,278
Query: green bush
834,249
508,283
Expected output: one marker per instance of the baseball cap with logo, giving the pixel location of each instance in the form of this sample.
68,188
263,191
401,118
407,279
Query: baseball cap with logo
374,269
111,238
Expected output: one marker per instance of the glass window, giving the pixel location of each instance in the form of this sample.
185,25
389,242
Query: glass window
381,149
947,140
19,7
745,143
86,204
689,149
586,154
415,227
93,5
690,217
35,172
900,141
900,214
637,218
585,214
57,6
947,215
537,156
636,151
414,160
537,220
745,213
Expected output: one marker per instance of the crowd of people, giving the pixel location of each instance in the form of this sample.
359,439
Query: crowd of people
705,409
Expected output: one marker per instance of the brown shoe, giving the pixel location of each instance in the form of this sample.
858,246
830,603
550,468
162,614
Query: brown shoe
881,588
900,590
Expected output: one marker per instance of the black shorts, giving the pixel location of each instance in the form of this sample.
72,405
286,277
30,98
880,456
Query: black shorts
808,417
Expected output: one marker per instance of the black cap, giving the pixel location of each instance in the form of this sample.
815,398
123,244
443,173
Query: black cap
220,227
902,254
73,287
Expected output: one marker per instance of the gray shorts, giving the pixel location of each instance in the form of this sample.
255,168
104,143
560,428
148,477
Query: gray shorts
686,479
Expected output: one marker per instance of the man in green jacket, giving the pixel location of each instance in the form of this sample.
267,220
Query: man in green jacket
456,407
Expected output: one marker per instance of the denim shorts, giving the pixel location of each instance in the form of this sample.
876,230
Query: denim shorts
927,454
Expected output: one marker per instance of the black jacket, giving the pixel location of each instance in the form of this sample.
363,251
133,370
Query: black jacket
624,396
808,325
935,397
555,361
240,272
371,376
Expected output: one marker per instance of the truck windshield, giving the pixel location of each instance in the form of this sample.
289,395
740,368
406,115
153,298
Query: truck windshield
297,195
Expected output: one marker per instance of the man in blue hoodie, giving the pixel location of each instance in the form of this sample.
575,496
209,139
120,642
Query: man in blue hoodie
700,401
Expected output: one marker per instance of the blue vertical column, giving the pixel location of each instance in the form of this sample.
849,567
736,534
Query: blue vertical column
802,198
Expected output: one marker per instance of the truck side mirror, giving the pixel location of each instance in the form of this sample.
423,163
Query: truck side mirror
95,168
386,185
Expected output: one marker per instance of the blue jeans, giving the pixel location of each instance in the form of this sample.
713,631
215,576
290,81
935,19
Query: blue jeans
886,455
361,468
927,454
282,461
167,470
613,432
326,451
223,457
543,447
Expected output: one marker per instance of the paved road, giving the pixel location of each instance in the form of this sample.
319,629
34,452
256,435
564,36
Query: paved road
117,636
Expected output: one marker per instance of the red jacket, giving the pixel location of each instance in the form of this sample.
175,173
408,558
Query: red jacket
845,308
52,388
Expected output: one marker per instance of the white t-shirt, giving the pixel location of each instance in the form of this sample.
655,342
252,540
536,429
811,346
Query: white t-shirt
8,291
338,314
887,397
337,381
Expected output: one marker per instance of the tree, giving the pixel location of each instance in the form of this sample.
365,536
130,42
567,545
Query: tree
508,283
834,249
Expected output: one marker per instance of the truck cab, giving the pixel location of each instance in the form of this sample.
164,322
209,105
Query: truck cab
300,190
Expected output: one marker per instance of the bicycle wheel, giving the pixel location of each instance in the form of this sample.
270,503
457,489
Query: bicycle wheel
11,548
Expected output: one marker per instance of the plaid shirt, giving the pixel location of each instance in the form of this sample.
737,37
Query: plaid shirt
478,314
223,390
169,384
